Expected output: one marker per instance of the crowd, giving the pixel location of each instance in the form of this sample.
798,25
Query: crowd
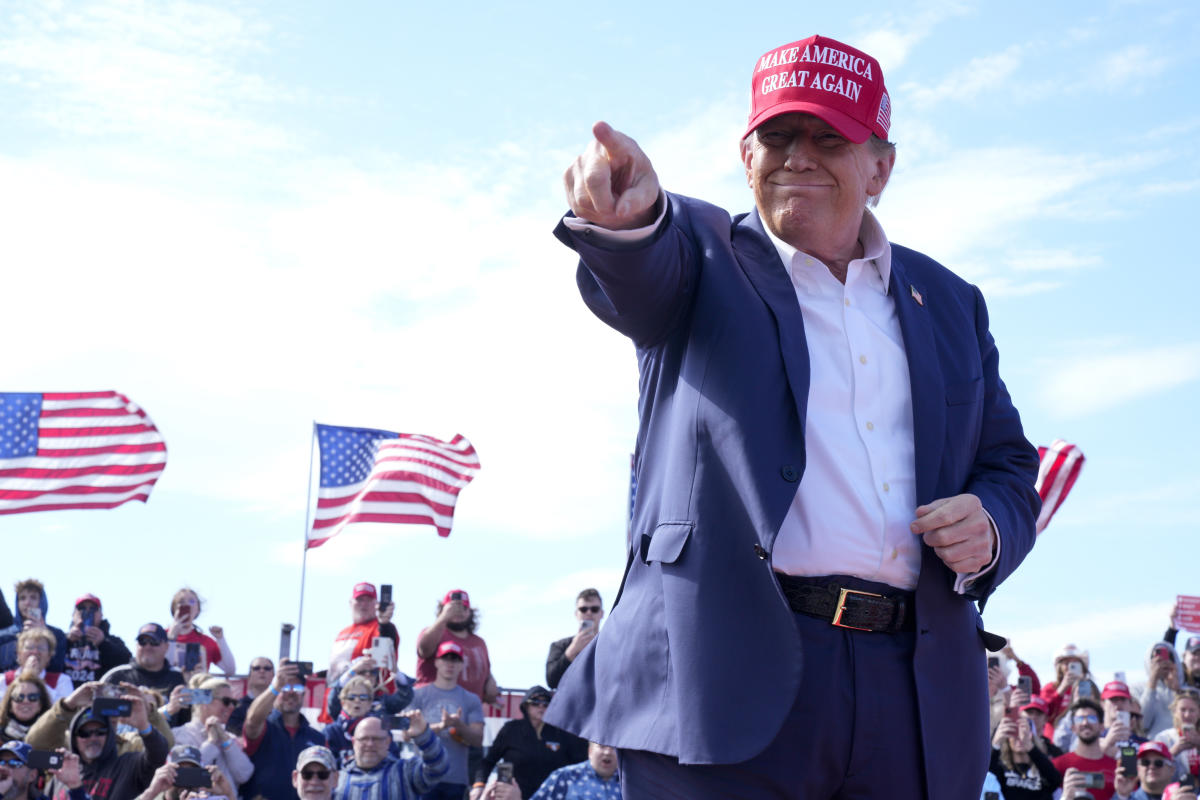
84,717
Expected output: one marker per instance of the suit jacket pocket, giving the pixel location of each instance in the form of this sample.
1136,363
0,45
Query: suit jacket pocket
965,392
666,544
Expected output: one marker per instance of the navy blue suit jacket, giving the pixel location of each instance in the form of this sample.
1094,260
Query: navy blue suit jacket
723,390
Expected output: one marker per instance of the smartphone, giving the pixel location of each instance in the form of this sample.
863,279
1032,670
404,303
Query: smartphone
105,707
285,640
1120,676
35,614
991,796
1162,651
192,778
195,697
396,722
43,759
1093,780
993,661
1032,727
385,595
191,656
459,597
1075,668
1189,782
1085,689
1127,755
303,670
1124,717
504,772
87,620
1025,684
587,624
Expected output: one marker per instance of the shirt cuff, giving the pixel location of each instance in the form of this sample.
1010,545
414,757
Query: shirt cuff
963,583
609,236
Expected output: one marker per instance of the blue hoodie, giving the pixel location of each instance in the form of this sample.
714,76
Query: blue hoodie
8,642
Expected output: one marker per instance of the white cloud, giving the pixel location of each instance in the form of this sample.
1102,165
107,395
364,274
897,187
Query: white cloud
890,38
1050,260
1107,380
1130,66
979,75
1157,506
1168,188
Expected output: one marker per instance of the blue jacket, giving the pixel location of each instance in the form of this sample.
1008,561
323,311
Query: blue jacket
724,378
275,759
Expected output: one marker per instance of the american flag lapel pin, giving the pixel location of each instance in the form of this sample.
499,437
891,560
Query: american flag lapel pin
916,295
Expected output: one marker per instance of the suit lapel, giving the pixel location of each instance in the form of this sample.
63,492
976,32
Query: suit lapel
925,376
760,262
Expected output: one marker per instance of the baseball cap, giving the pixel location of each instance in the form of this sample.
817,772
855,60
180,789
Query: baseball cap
361,589
317,753
185,754
449,647
1193,644
155,630
1115,689
537,694
466,600
1155,747
823,77
18,748
87,598
1036,704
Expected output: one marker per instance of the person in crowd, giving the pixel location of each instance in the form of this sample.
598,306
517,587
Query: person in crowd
316,773
162,785
1117,701
594,779
1155,771
1023,770
1191,649
534,747
1164,677
357,639
589,610
6,616
1035,712
275,733
185,608
25,699
53,729
457,621
1091,753
356,702
376,775
456,716
92,650
262,672
1070,667
19,781
149,666
206,731
35,654
1182,738
31,613
109,772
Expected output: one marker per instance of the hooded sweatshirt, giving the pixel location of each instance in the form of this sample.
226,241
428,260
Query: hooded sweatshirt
114,775
1156,702
8,642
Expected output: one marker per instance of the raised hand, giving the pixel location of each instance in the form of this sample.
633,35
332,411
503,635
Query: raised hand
612,183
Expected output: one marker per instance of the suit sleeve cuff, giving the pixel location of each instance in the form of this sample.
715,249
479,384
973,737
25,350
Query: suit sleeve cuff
629,237
963,583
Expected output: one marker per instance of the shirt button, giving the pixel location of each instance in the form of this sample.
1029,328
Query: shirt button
862,359
847,301
761,552
895,553
870,426
789,473
887,488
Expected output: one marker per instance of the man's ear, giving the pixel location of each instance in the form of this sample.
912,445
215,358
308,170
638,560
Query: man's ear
747,149
883,171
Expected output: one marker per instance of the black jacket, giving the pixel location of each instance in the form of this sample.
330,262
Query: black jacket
556,661
533,757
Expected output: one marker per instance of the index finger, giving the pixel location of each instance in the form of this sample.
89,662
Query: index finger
615,143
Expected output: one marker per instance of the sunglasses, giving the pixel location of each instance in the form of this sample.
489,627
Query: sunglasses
91,733
588,609
358,697
310,774
542,703
1152,762
1086,718
147,641
26,698
12,763
229,701
262,668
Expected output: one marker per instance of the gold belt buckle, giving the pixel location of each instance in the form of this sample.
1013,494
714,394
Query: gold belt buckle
837,618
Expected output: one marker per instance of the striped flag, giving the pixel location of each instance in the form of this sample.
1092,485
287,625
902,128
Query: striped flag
1059,467
63,450
379,476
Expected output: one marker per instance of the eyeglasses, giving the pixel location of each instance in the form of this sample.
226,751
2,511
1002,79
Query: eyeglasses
40,647
228,701
358,697
147,641
26,698
1085,718
541,703
1152,762
1187,691
263,668
589,609
373,739
91,733
12,763
318,774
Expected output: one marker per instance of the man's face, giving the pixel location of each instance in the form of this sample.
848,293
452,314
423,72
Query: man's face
1086,724
1155,772
151,654
29,600
370,742
12,768
35,647
810,183
314,781
262,672
289,701
603,759
589,609
1188,711
89,740
1191,660
362,608
449,667
1112,705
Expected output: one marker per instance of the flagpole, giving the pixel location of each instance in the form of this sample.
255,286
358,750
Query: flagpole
307,524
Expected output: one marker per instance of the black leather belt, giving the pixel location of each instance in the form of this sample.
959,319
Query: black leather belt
844,607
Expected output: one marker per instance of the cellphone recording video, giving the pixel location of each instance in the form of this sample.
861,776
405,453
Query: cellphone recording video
993,661
1075,668
1086,689
587,624
192,778
191,656
456,596
285,640
109,707
44,759
1093,780
385,595
504,772
396,722
1025,684
303,670
87,620
1127,754
195,697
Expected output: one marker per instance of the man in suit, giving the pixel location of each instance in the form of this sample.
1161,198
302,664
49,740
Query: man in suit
830,470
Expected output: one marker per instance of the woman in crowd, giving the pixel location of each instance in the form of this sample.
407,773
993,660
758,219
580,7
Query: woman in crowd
534,748
1182,737
35,649
206,731
185,608
24,701
356,697
1024,771
1164,677
1059,693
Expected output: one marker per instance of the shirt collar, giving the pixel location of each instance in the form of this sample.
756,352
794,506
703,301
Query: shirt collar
874,241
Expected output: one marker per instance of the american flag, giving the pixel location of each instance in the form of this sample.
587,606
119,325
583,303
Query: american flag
380,476
1059,467
75,450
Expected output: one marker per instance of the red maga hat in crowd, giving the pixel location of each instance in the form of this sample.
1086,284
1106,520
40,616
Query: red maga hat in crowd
363,589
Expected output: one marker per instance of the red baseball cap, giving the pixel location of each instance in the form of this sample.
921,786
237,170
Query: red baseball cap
87,598
1115,689
363,589
823,77
449,647
466,600
1037,704
1155,747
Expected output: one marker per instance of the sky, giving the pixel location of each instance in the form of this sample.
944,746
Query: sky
250,216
